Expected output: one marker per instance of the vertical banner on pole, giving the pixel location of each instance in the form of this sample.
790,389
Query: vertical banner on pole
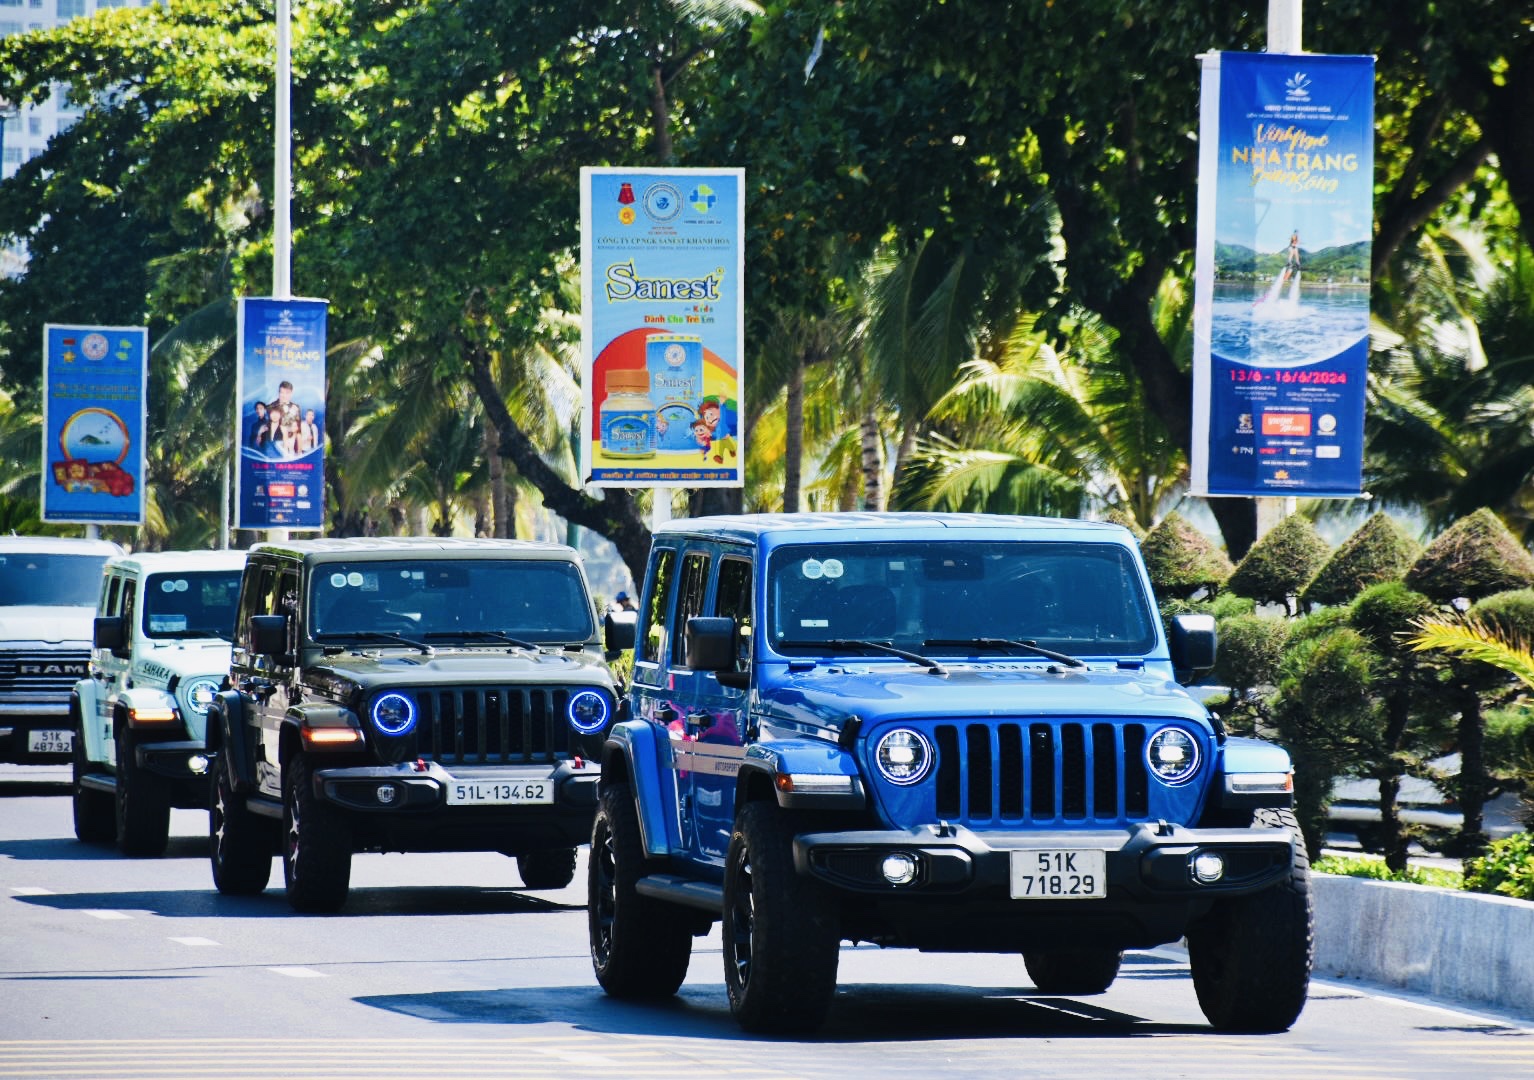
662,327
94,417
1281,288
280,426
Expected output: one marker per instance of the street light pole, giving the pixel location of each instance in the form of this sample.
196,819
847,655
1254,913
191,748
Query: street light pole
282,184
1283,37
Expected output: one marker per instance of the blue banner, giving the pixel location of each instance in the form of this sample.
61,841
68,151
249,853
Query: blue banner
280,429
662,258
94,382
1281,298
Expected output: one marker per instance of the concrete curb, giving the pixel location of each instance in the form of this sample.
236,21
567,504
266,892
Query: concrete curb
1440,942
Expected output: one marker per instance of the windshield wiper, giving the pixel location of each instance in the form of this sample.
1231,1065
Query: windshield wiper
877,646
482,635
379,635
1004,643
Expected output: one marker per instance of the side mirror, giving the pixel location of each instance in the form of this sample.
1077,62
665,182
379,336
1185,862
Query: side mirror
1192,645
110,632
269,635
710,646
619,629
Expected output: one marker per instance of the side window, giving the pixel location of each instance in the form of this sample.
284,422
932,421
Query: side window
691,588
129,610
255,599
112,588
652,635
287,604
733,599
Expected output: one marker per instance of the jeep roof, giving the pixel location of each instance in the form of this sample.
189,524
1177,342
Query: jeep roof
394,547
179,562
58,545
751,528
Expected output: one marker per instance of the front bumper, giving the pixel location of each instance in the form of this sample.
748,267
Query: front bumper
183,764
1147,862
405,807
20,718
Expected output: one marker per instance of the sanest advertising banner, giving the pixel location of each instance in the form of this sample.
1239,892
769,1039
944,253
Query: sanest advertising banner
662,327
94,401
1281,293
280,425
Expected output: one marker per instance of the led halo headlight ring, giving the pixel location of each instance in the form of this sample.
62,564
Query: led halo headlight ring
1172,756
588,712
903,756
199,693
393,714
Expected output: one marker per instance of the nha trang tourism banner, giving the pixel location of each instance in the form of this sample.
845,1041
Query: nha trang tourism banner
1281,279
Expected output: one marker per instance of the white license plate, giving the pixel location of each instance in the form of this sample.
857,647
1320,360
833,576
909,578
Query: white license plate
50,742
1059,874
499,793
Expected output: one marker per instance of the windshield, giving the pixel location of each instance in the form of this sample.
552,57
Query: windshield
191,605
943,597
50,580
477,601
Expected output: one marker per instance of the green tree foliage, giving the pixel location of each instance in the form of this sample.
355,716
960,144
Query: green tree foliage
1280,563
1181,560
1378,551
1475,557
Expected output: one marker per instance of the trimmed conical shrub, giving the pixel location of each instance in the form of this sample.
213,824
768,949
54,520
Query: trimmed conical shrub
1279,565
1119,516
1475,557
1181,560
1380,550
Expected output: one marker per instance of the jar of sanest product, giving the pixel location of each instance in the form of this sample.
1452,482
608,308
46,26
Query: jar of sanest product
626,418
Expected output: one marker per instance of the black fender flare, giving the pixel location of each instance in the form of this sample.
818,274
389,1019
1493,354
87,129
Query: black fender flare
226,737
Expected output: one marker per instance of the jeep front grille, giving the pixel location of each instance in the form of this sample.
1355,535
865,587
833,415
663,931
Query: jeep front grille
1041,773
496,725
43,671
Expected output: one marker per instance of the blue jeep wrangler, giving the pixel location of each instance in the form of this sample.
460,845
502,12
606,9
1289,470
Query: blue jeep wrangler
954,733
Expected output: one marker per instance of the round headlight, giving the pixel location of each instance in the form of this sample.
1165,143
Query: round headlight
199,694
393,714
1172,755
588,712
903,756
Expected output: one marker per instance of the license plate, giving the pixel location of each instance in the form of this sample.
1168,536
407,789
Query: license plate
50,742
499,793
1059,874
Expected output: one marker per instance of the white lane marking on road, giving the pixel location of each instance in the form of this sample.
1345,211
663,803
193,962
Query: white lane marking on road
31,890
575,1056
102,913
298,972
195,940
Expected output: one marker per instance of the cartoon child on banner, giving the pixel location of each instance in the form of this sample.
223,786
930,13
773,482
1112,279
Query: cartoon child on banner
715,428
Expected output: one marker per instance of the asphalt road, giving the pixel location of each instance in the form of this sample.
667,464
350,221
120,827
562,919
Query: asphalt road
442,966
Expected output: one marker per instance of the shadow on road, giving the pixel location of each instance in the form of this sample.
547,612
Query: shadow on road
412,900
862,1013
68,849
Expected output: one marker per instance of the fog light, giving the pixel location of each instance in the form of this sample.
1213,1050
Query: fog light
197,763
899,868
1208,868
385,794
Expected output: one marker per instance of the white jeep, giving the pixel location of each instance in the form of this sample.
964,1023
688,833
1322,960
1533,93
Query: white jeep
161,651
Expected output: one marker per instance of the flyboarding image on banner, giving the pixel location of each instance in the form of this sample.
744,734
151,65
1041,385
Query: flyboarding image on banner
1281,293
94,402
662,258
280,422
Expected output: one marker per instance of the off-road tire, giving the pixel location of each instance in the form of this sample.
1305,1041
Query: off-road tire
95,816
640,947
1251,955
1075,972
239,843
316,844
780,931
550,869
143,804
